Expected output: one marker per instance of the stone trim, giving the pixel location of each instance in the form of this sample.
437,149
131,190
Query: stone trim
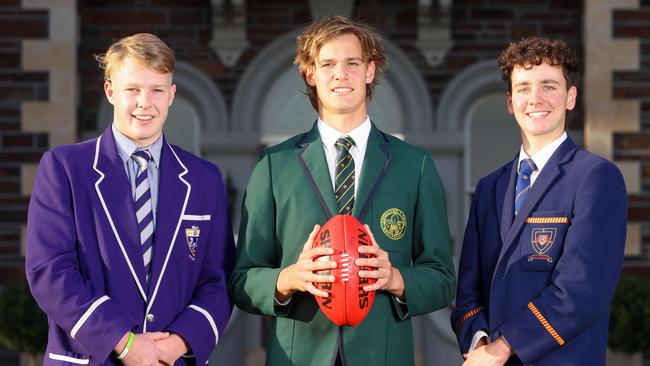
633,240
58,55
603,114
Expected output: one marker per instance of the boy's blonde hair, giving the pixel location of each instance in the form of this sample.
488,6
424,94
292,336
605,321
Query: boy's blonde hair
144,47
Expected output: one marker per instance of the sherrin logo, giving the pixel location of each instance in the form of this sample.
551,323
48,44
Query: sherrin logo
393,223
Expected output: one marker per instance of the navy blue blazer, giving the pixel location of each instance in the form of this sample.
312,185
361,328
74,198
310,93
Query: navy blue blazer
545,278
84,262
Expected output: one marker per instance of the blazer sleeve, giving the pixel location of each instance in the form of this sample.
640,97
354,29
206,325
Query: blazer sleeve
468,315
430,281
87,314
585,278
205,319
253,283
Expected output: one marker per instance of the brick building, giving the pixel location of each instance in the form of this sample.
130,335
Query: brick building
443,92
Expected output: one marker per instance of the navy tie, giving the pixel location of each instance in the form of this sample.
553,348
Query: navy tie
526,167
143,208
344,171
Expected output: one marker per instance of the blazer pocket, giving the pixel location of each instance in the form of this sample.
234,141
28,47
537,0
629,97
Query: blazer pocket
187,217
392,222
66,358
542,240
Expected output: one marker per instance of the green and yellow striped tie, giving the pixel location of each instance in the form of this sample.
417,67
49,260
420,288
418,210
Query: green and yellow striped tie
344,175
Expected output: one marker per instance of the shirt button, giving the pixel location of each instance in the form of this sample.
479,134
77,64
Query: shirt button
150,318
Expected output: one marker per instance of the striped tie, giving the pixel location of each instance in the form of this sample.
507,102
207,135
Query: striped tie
344,175
143,209
526,167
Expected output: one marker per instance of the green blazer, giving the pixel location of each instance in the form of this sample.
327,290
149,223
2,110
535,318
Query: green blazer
290,191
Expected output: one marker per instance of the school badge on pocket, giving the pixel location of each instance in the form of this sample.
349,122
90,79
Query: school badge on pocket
192,236
393,223
542,239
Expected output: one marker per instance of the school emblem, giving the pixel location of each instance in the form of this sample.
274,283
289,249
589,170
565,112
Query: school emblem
393,223
192,236
542,240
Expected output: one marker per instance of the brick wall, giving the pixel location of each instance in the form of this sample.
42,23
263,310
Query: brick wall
636,85
186,27
481,30
16,147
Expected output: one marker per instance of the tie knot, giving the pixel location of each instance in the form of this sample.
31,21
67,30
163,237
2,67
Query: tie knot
142,157
527,166
345,142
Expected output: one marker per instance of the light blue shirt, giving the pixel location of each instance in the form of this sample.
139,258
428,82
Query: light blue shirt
125,148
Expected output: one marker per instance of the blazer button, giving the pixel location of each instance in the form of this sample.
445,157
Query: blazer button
150,318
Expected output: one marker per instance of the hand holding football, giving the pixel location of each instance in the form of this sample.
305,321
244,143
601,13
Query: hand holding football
347,303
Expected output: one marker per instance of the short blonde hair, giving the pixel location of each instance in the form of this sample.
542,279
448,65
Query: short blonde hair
144,47
324,30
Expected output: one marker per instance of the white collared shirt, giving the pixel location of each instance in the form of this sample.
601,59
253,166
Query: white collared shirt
541,157
329,135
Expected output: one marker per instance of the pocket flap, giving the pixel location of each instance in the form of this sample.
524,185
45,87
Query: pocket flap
196,217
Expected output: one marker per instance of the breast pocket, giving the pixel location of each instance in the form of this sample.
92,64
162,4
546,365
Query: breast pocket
192,239
392,223
542,240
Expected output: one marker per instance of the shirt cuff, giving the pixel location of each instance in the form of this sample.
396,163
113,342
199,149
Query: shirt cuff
477,337
282,303
403,302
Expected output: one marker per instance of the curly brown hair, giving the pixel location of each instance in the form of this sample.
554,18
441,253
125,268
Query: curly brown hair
322,31
533,51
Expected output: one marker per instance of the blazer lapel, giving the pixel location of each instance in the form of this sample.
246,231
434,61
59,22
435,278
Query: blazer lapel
173,193
549,175
311,157
114,192
375,164
505,198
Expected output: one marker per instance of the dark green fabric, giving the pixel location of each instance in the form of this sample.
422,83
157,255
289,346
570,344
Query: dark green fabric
279,211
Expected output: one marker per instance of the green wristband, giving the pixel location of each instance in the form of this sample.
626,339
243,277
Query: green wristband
126,349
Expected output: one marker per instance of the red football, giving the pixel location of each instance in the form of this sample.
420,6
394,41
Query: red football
347,303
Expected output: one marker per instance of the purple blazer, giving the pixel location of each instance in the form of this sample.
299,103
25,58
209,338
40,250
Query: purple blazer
84,263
